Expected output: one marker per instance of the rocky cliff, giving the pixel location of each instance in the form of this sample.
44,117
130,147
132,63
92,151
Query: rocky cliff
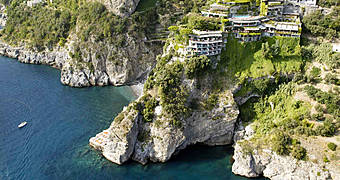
120,7
3,15
158,141
267,163
257,162
134,135
100,64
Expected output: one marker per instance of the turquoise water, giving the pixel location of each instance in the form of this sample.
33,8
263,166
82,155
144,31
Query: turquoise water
54,144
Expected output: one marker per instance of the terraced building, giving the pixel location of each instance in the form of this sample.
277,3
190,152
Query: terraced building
248,20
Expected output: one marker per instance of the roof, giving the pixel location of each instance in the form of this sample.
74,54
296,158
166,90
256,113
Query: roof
251,28
287,26
207,33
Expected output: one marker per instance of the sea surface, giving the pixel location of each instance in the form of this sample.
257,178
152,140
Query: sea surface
61,119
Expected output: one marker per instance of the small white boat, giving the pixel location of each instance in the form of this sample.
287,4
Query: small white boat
22,124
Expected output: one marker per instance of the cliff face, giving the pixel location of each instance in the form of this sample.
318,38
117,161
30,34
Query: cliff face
3,15
56,58
252,162
273,166
104,63
158,140
100,64
120,7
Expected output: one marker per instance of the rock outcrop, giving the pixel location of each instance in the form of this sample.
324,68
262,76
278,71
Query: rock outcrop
252,162
159,139
100,64
120,7
55,58
273,166
3,15
117,143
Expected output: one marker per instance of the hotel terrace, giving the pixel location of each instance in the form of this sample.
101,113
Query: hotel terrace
247,20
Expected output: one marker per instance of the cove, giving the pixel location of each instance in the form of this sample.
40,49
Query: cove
61,119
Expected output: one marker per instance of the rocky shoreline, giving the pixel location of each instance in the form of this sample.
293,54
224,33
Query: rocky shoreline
252,162
94,72
120,141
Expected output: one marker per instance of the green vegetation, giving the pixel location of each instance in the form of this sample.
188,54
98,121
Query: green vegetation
261,87
262,58
198,22
39,27
146,4
299,152
331,100
323,25
167,83
332,78
147,107
196,66
332,146
210,102
325,159
327,3
278,117
46,25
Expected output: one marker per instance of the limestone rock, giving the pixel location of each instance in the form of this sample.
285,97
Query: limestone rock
158,141
117,143
273,166
101,64
120,7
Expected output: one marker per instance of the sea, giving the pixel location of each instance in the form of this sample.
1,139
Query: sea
61,119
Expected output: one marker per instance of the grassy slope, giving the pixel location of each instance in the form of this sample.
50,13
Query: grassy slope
246,59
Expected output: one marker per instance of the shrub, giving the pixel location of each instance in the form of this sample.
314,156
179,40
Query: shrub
211,102
149,107
332,146
319,108
281,141
315,73
327,129
325,159
318,117
331,78
298,152
196,66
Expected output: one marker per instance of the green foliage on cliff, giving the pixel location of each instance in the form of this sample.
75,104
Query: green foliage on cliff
95,21
38,26
327,3
166,80
47,25
321,53
320,24
198,22
332,146
147,106
299,152
331,100
262,58
196,66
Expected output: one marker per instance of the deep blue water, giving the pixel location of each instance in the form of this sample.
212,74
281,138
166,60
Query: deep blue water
54,144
